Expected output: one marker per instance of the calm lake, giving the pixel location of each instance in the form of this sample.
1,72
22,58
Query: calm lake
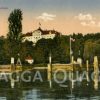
41,90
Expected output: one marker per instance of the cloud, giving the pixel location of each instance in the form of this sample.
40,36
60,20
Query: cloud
46,17
83,17
90,23
87,20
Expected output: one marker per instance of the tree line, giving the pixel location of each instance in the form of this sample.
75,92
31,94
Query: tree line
85,46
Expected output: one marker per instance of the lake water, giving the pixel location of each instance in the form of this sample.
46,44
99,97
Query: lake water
42,91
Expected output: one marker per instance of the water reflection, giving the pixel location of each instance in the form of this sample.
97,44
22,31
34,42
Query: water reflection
96,73
70,90
41,91
30,94
96,80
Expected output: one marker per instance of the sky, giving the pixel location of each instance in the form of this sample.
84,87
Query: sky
65,16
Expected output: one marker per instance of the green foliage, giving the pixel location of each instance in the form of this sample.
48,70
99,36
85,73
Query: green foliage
26,50
14,35
15,25
42,50
58,47
60,52
78,45
4,57
88,45
89,49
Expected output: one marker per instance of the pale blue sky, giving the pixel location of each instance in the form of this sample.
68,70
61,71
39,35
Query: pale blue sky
53,5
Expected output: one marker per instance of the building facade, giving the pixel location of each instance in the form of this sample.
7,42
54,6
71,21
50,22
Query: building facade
39,34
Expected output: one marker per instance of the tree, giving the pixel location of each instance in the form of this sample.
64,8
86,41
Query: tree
27,49
89,50
4,53
15,31
42,50
60,51
78,45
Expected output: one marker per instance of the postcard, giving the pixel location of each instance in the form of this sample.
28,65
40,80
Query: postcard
49,49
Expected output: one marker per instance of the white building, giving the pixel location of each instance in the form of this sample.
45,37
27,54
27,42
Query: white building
39,34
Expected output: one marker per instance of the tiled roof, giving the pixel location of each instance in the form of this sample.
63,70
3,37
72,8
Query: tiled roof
29,58
44,32
27,34
50,32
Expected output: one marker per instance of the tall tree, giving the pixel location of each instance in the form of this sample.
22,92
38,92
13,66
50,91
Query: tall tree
15,31
89,50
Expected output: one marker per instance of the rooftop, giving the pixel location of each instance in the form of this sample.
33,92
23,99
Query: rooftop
44,32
